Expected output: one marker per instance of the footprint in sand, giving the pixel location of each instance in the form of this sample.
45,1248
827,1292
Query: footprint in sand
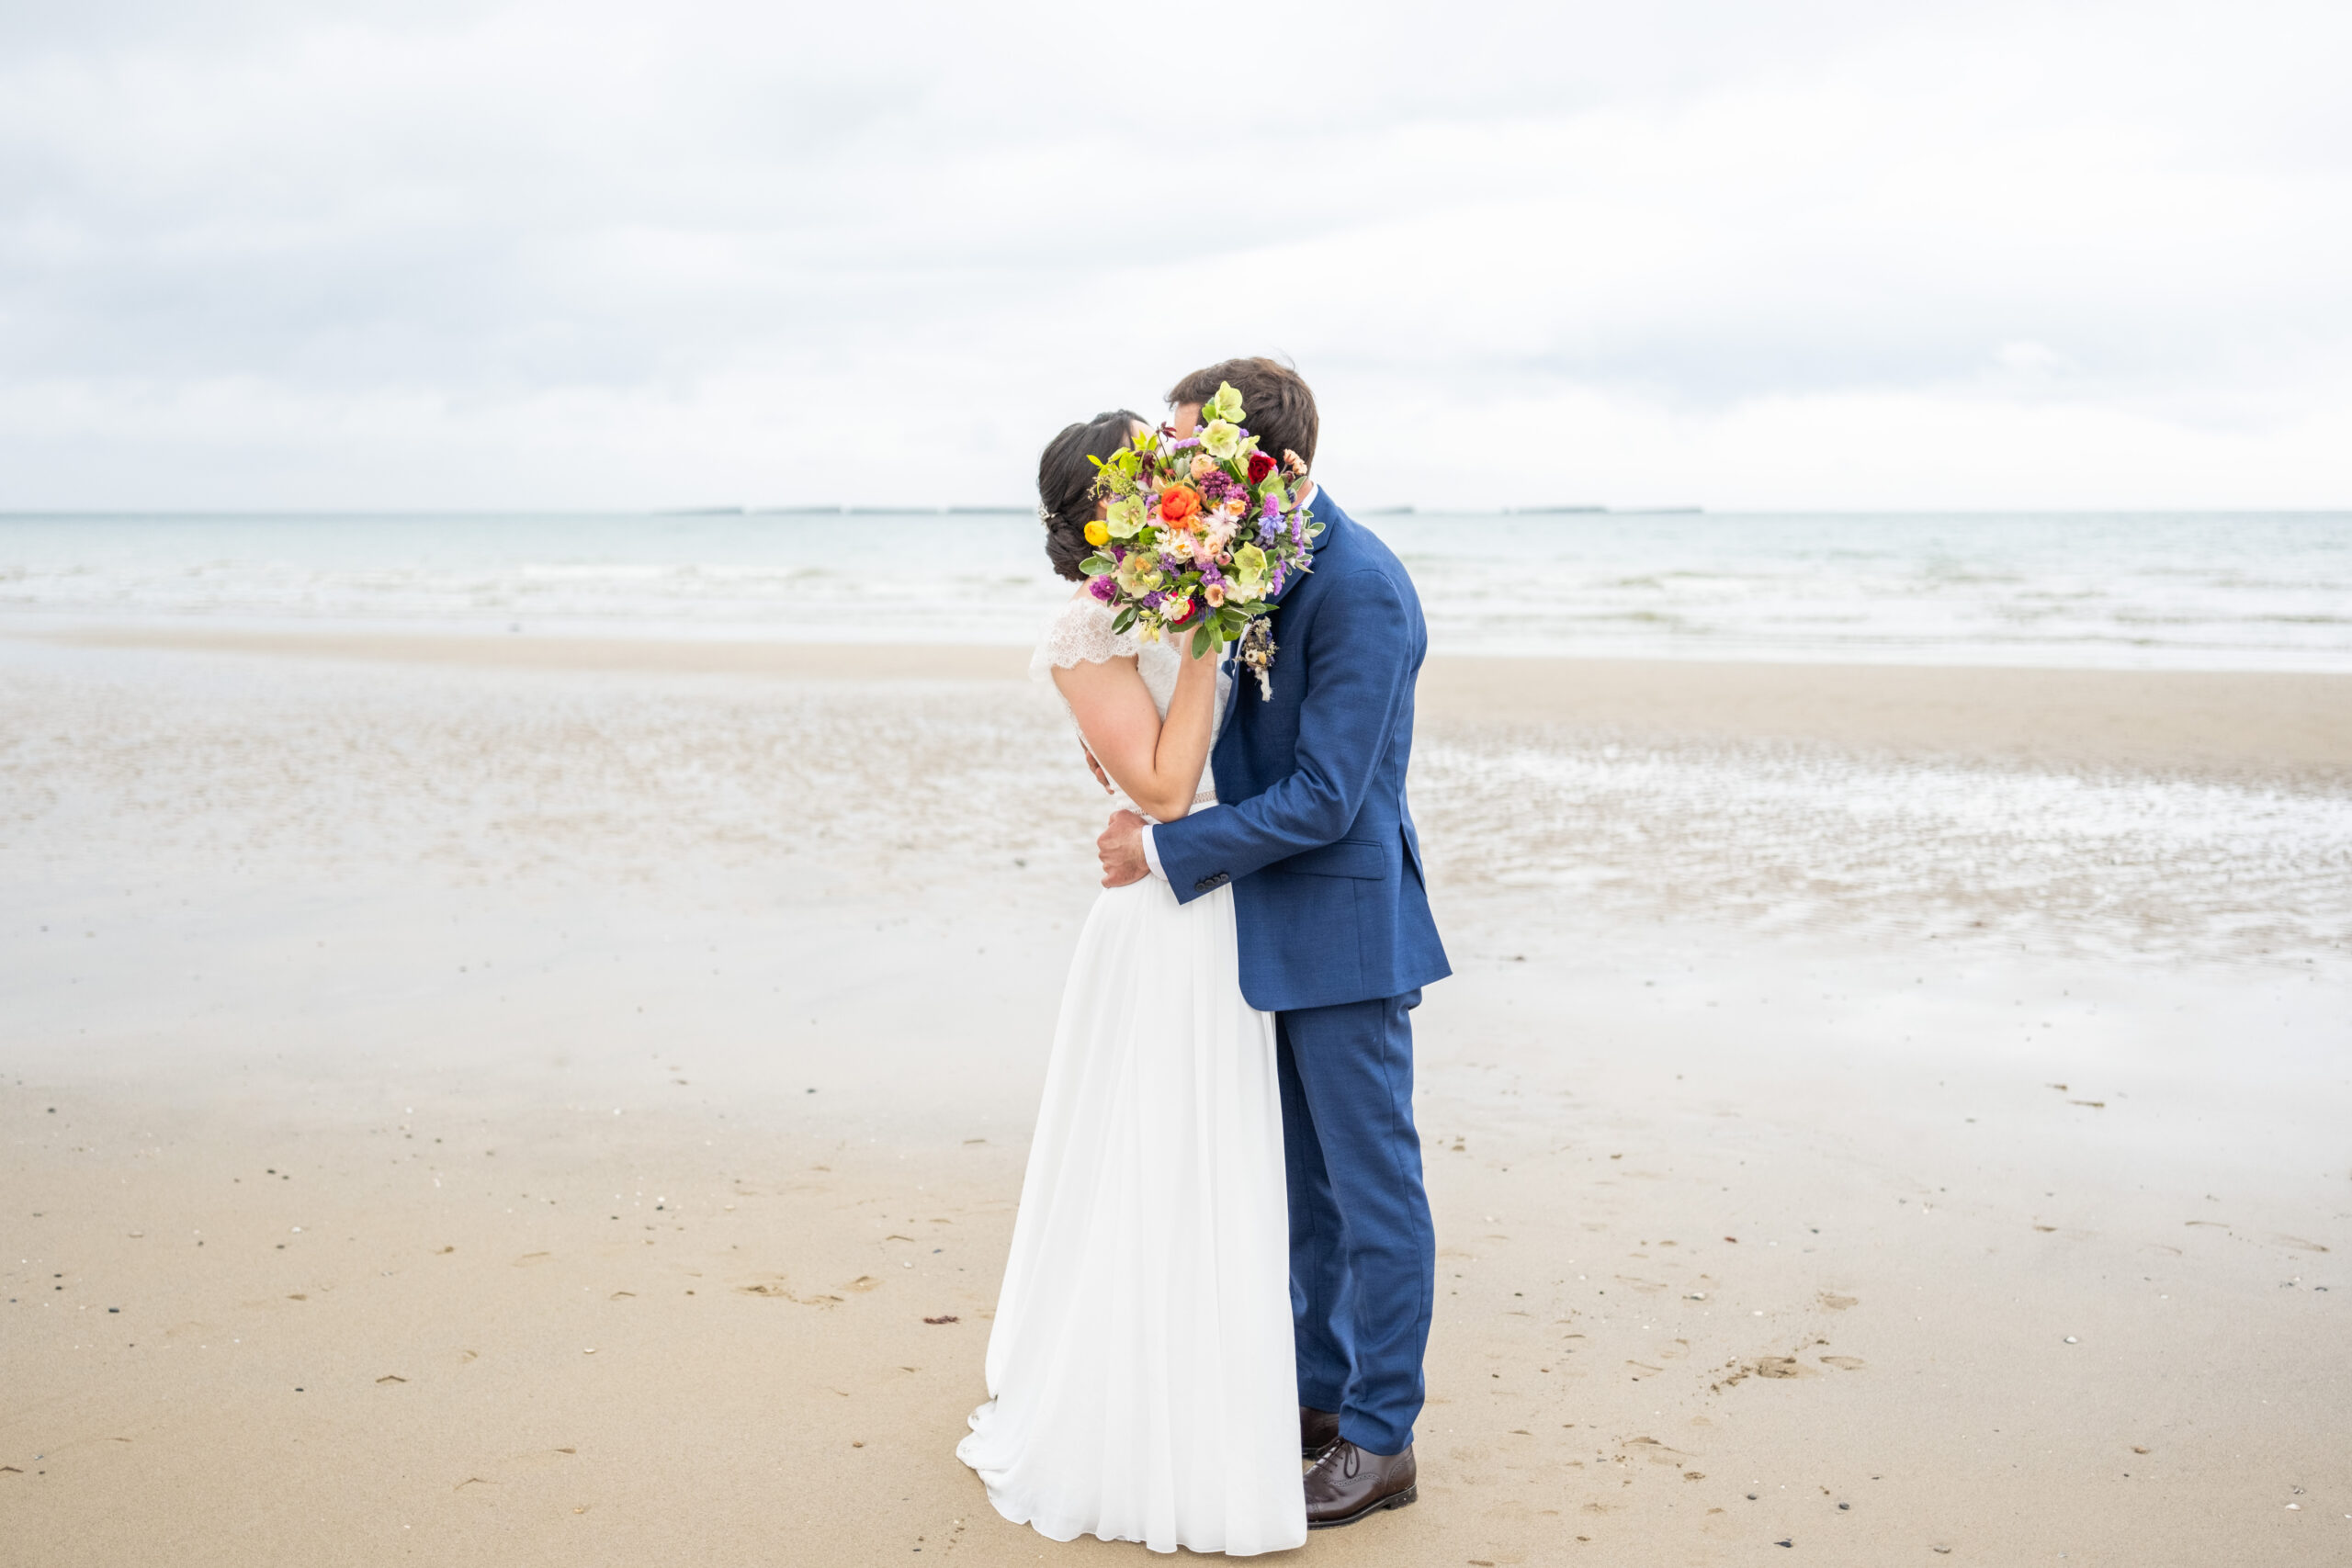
1781,1367
776,1290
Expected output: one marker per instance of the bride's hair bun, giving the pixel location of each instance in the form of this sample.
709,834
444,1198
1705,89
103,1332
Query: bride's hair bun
1065,486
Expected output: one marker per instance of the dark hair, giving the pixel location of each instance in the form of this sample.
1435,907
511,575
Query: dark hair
1066,485
1277,408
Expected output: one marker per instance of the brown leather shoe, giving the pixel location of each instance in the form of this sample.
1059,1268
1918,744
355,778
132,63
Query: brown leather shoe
1349,1484
1318,1431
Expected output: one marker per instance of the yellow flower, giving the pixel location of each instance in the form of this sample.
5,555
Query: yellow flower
1097,533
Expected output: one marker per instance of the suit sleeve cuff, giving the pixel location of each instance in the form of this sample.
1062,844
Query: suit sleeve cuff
1151,854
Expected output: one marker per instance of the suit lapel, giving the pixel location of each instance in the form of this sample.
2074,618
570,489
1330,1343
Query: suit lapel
1328,511
1239,676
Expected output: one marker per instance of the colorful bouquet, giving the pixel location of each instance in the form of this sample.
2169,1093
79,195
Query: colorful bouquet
1200,534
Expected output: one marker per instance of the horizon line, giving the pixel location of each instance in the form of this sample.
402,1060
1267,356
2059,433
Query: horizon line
1401,510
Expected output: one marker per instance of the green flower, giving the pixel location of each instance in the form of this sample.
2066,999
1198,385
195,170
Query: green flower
1226,405
1222,439
1248,573
1124,517
1138,575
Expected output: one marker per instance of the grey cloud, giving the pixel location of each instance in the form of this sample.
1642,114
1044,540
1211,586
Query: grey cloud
493,212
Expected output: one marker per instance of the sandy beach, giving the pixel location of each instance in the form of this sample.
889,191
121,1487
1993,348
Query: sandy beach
519,1099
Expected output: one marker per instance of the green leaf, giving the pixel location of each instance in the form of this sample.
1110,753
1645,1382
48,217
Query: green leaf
1201,640
1098,566
1122,620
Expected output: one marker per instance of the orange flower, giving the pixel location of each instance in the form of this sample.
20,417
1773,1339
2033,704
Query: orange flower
1179,504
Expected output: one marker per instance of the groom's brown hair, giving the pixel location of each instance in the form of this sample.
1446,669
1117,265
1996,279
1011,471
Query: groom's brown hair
1277,408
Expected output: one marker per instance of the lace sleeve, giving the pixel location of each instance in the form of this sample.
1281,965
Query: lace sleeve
1080,634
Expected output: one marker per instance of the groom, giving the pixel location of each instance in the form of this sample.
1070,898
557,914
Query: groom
1336,941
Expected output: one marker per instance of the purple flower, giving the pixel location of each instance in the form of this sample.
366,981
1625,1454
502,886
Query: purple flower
1276,587
1151,599
1210,574
1102,588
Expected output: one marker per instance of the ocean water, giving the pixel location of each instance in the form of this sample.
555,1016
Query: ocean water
2212,591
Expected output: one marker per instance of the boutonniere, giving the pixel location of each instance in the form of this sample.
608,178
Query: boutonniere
1257,654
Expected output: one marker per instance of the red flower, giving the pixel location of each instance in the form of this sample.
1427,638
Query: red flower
1259,466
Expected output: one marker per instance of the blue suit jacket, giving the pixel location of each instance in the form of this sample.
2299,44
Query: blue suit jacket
1311,827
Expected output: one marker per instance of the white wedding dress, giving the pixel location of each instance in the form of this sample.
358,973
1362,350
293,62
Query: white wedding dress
1140,1371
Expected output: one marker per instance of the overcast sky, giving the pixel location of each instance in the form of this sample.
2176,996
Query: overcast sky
435,254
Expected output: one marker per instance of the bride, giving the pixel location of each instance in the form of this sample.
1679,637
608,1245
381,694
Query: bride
1141,1369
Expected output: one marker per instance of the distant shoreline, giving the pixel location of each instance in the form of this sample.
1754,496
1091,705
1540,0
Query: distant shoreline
1393,509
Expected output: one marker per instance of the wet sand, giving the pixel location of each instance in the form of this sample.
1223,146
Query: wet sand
586,1075
2241,723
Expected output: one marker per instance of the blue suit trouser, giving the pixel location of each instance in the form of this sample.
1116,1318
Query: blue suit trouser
1363,1251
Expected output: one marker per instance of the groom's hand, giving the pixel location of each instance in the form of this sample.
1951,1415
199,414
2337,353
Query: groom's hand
1121,847
1101,777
